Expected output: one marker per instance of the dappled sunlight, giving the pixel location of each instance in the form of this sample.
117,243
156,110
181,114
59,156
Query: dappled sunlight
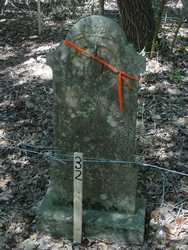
7,55
165,87
184,31
34,63
110,5
174,220
4,181
46,48
2,20
182,121
36,49
42,71
163,139
37,69
3,140
5,104
155,66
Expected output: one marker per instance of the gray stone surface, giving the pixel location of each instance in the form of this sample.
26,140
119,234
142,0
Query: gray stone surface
88,120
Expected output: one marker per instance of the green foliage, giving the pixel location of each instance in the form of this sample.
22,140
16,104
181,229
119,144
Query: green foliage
173,248
157,45
150,77
176,75
185,46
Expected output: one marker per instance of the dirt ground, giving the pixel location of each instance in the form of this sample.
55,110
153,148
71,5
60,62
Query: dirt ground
26,136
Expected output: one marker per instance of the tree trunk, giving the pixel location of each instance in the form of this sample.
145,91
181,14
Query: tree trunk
101,3
98,7
3,4
138,22
157,26
176,34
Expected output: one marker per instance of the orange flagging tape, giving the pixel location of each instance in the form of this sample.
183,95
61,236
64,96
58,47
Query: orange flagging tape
122,75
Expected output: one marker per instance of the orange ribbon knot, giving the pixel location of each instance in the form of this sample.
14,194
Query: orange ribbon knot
122,75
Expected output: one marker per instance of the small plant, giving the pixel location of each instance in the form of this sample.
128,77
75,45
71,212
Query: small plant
173,248
176,76
150,77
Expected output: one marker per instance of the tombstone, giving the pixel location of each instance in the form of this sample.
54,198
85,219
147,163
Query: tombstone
88,120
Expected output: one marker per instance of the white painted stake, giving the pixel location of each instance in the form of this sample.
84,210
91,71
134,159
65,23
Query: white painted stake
78,193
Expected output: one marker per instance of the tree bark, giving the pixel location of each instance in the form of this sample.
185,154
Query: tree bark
138,22
157,26
3,4
98,7
101,4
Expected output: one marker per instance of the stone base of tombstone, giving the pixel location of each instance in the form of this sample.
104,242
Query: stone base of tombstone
101,225
121,220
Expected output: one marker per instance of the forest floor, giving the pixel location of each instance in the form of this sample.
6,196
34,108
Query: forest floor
26,134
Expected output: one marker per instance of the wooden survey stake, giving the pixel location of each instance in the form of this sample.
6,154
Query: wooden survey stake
78,191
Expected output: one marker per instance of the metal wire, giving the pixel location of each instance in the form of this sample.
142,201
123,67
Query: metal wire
63,158
29,147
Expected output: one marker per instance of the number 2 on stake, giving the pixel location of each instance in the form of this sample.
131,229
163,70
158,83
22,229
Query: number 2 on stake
78,168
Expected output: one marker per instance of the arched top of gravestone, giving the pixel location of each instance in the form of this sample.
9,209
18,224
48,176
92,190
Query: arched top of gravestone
102,36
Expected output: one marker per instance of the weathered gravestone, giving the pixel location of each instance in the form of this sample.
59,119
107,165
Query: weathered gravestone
88,120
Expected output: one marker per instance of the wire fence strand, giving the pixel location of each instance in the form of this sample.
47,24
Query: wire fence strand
63,158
